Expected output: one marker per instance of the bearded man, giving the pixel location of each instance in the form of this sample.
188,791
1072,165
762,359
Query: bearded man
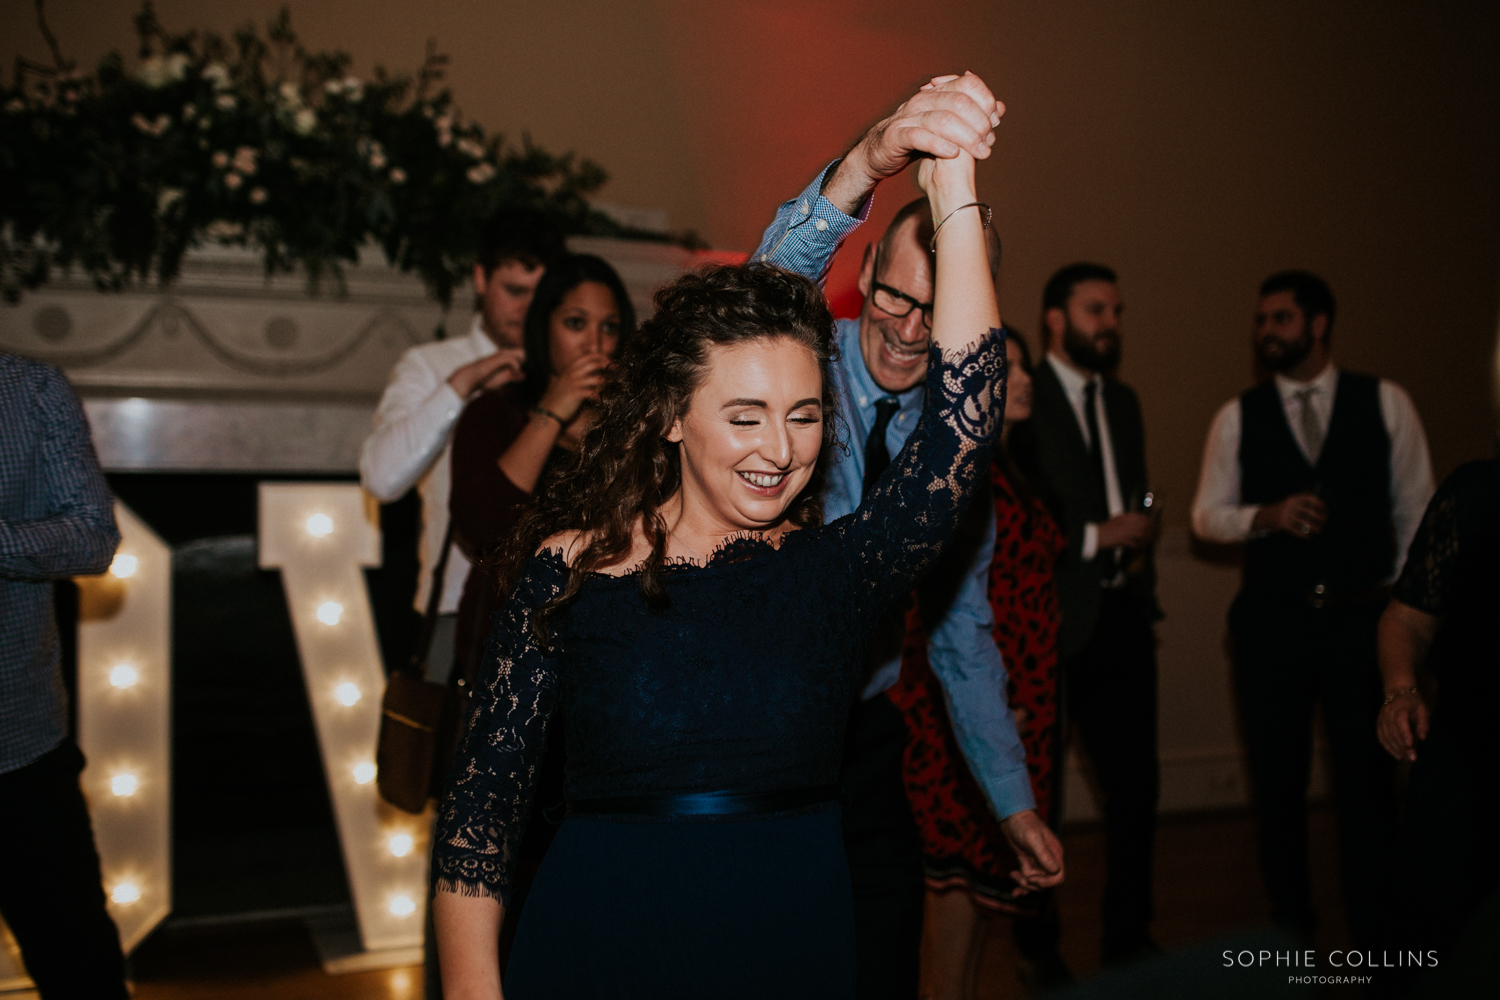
1324,475
1084,451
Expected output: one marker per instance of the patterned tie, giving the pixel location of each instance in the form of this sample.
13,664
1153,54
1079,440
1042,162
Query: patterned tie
877,455
1312,431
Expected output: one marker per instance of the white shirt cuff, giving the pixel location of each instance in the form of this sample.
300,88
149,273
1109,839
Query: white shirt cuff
1090,542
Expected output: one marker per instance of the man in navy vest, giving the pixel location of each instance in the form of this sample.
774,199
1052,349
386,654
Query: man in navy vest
1323,474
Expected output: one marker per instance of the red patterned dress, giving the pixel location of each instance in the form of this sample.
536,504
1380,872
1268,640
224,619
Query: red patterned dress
962,844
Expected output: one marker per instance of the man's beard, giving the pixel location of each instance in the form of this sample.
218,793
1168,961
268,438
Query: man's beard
1095,354
1283,356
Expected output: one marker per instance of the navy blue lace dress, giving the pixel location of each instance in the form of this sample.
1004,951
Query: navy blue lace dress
743,683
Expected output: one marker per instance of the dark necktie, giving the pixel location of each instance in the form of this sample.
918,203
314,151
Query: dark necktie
1107,559
877,456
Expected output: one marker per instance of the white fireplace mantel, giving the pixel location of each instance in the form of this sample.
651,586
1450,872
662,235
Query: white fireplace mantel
230,371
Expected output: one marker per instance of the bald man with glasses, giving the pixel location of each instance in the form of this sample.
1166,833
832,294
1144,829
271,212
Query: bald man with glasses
879,382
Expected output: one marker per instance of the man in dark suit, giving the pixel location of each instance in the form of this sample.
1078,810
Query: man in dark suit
1085,448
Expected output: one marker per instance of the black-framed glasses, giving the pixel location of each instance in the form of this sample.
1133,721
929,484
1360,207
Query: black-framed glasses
894,302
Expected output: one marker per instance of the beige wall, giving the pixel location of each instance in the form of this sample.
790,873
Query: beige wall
1195,147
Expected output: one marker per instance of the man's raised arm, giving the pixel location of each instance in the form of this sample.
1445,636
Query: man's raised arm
809,229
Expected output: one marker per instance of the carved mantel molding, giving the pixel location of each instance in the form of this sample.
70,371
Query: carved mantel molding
229,370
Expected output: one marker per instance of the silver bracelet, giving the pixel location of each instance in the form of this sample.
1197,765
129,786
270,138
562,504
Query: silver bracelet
988,215
1400,692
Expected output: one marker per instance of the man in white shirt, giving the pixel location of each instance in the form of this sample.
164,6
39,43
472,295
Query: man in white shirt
1324,475
410,440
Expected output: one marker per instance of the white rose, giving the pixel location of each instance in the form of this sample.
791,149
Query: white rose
217,74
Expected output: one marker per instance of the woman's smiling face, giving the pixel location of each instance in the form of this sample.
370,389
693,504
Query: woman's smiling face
752,433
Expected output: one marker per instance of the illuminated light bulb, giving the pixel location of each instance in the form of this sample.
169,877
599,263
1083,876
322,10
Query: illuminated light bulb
329,612
403,906
364,773
347,693
320,525
123,675
122,566
124,784
401,844
126,893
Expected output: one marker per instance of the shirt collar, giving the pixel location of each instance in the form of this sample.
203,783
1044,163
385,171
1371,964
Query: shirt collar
1072,380
481,342
1324,382
865,391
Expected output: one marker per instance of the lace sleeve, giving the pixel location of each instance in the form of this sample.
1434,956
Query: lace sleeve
1430,563
902,524
488,797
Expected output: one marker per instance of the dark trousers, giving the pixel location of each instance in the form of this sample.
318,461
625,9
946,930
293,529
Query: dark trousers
1110,693
51,892
1288,657
885,854
1447,862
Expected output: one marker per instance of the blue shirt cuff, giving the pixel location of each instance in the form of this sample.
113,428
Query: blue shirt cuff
808,230
1010,794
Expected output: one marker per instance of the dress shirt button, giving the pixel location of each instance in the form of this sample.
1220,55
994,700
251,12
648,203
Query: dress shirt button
822,224
765,257
805,209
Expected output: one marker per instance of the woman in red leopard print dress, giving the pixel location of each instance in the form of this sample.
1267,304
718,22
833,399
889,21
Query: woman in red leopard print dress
965,854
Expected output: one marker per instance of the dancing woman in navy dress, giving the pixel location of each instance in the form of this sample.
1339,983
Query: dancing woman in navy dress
705,637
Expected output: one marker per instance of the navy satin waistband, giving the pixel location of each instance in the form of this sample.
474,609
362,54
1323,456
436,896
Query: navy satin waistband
705,803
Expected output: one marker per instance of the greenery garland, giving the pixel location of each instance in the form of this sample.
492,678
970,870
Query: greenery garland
258,142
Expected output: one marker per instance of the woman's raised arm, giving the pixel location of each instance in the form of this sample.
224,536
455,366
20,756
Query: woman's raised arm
964,307
906,518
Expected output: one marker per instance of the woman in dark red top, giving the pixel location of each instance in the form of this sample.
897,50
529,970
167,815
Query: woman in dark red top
505,443
965,855
509,437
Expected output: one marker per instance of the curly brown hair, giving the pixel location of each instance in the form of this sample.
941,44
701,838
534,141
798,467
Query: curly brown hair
627,469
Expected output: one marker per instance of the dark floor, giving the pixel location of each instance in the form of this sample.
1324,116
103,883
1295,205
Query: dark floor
1206,886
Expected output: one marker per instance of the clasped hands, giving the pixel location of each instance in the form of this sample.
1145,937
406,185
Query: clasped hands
1301,516
949,116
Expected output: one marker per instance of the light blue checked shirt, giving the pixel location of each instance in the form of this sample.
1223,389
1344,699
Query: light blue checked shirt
804,237
57,520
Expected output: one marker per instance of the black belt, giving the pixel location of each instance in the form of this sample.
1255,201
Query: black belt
705,803
1321,597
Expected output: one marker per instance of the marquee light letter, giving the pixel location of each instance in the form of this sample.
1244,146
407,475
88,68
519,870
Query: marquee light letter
320,535
124,729
125,724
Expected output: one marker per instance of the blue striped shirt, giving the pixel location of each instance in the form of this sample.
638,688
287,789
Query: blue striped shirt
804,237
